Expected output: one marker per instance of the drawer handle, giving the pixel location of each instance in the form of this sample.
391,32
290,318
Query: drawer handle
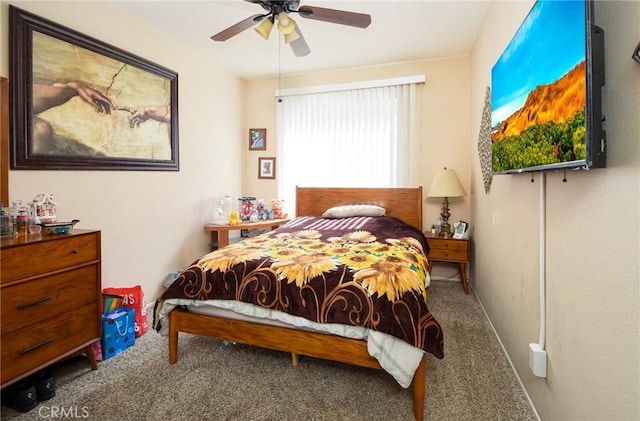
33,303
36,346
76,251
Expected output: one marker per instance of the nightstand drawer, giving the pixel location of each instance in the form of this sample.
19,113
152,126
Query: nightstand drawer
449,254
43,298
448,249
447,245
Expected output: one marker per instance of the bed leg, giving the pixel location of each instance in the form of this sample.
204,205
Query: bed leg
173,340
295,359
418,391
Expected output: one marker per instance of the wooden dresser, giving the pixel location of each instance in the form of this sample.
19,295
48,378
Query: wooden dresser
50,293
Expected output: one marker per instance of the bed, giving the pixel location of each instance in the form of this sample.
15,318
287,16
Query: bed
258,299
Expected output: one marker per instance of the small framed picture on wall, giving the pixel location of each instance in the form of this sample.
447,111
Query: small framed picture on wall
257,139
266,168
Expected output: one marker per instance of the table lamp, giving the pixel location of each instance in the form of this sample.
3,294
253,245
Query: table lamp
445,184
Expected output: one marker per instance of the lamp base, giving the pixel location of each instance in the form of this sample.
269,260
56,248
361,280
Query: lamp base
445,228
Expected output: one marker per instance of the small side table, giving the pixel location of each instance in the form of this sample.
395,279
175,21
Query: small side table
220,233
454,250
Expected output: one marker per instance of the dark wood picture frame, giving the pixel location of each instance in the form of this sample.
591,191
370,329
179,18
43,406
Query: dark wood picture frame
4,141
257,139
78,103
267,167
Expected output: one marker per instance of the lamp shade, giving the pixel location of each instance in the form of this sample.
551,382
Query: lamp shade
264,28
445,183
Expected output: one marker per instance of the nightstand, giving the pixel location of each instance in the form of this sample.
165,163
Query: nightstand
453,250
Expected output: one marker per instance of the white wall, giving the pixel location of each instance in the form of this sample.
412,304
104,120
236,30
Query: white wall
151,222
593,233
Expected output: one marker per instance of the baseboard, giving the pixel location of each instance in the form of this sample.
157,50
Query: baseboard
533,408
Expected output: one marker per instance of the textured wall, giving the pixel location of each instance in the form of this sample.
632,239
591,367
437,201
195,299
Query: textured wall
592,250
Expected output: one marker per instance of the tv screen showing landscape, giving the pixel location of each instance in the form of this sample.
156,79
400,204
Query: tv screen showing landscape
539,92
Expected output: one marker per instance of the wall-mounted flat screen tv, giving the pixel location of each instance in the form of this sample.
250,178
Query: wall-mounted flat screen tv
546,111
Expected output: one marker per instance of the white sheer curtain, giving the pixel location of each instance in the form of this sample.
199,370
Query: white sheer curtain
361,137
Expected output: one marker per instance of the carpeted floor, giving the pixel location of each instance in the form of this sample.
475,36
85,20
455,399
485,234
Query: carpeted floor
214,380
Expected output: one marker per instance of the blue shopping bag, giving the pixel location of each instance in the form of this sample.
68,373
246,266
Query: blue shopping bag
118,331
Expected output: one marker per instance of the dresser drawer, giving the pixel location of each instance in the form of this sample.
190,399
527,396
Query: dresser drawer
46,256
43,298
27,348
448,249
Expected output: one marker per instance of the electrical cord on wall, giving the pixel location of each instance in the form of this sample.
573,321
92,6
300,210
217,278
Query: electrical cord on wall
455,275
448,278
543,248
537,353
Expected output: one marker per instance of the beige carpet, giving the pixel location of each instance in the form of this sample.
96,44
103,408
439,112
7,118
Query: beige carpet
220,381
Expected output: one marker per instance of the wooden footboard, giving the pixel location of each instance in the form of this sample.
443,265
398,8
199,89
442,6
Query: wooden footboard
318,345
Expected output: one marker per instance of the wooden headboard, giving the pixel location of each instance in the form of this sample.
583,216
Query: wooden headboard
402,203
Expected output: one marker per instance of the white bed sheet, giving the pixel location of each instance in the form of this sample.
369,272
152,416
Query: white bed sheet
396,357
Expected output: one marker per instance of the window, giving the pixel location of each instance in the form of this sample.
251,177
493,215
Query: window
347,136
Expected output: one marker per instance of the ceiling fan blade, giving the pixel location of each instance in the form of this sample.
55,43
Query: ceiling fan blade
237,28
299,46
342,17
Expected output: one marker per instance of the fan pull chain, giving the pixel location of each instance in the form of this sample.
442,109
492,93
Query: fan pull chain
279,70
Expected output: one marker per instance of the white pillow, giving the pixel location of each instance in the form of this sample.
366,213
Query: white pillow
354,210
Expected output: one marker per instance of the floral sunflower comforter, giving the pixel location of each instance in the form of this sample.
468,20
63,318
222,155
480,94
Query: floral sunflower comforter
369,272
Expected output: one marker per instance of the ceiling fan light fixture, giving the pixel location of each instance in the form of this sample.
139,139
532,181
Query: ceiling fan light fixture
264,28
289,38
286,25
280,9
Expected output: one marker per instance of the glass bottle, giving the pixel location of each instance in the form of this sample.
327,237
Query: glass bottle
34,221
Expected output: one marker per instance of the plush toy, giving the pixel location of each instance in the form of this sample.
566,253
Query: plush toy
278,211
234,218
263,212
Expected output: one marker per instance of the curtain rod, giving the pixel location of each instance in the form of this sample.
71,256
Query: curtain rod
405,80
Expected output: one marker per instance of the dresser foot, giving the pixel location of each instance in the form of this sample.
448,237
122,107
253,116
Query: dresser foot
91,357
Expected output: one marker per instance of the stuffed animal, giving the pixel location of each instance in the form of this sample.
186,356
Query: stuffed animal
278,211
263,212
234,218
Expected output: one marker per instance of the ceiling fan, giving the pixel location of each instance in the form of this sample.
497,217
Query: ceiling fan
280,10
